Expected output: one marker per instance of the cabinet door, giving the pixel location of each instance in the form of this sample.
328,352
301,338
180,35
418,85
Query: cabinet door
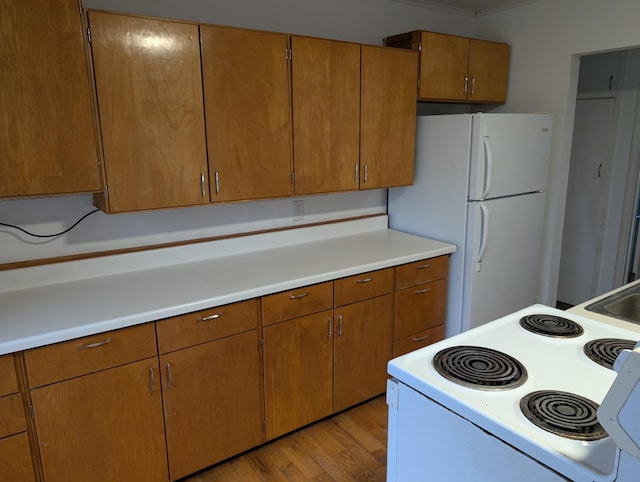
103,427
15,459
298,366
149,87
363,346
213,402
247,98
47,129
443,67
387,117
488,71
326,114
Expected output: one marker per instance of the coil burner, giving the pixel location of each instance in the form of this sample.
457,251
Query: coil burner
551,325
480,368
564,414
604,351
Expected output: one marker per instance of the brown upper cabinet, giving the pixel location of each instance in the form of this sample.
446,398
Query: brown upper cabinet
284,114
48,142
246,93
457,69
354,112
326,114
149,87
387,117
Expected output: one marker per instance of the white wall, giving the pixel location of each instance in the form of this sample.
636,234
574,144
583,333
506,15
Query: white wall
364,21
546,38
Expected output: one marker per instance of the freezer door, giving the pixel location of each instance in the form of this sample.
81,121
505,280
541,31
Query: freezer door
509,154
502,257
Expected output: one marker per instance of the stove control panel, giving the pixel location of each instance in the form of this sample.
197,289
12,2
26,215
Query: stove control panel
618,412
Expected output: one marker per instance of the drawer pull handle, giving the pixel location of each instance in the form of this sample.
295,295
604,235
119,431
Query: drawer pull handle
420,338
210,317
366,280
423,266
96,344
297,297
152,380
169,376
420,292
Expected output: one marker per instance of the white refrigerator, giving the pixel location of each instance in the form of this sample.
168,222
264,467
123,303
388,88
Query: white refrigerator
480,182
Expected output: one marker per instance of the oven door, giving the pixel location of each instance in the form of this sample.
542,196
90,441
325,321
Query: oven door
428,442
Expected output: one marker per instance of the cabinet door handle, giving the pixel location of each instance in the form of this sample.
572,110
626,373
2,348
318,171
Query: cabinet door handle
473,85
96,344
423,266
330,327
420,338
365,280
152,380
357,178
217,176
366,172
202,187
210,317
339,325
466,85
169,376
420,292
298,296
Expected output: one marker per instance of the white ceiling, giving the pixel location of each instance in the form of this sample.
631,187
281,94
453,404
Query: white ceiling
469,7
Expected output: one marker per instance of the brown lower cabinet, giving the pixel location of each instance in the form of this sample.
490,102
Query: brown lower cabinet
104,426
212,402
15,459
160,401
363,335
15,453
298,368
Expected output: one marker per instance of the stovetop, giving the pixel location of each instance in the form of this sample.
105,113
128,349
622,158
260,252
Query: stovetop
550,362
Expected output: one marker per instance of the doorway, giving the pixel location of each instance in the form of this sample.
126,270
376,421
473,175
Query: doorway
603,178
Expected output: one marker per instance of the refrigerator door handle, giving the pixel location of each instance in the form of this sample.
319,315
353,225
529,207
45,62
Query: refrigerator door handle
484,234
488,162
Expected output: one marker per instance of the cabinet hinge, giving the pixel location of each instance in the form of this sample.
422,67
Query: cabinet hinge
89,34
293,178
261,345
287,54
32,411
419,46
418,84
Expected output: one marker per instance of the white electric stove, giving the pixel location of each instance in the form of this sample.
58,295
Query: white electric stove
514,399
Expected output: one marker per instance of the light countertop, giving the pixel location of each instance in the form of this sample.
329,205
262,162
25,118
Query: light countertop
48,304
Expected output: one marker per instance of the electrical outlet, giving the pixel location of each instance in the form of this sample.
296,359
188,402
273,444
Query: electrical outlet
298,210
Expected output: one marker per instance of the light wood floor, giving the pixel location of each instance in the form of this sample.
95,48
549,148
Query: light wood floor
350,446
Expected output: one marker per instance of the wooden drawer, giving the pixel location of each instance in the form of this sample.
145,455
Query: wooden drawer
420,272
90,354
419,308
418,340
15,459
202,326
362,286
8,380
298,302
12,419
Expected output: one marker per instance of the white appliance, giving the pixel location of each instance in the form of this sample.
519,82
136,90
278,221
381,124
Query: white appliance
519,398
480,183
